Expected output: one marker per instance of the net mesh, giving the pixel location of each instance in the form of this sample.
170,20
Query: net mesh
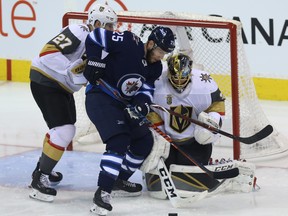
210,44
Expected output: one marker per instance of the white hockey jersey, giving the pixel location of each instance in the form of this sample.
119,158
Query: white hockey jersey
59,53
201,94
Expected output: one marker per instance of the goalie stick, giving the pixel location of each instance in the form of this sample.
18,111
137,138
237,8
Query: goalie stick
231,173
172,192
266,131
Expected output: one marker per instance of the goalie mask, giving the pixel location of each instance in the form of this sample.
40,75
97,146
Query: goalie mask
103,13
179,71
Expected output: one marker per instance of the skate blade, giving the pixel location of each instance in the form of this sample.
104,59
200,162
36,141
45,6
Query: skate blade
35,194
98,210
52,184
121,193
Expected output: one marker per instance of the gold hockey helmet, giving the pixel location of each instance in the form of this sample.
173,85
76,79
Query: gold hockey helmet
179,71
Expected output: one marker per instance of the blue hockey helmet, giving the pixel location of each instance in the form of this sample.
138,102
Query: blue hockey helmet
163,37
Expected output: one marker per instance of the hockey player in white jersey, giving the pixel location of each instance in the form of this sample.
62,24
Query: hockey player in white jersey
55,74
193,93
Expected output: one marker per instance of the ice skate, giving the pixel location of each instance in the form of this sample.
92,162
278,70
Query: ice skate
40,188
124,188
101,202
54,177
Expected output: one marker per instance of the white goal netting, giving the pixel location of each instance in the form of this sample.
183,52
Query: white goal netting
217,46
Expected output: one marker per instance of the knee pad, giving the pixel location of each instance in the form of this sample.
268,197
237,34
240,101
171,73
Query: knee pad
62,135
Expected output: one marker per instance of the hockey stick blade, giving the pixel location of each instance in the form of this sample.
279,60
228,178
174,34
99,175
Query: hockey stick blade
231,173
246,140
171,191
266,131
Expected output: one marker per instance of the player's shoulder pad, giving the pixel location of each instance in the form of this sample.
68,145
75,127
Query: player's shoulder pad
79,30
128,35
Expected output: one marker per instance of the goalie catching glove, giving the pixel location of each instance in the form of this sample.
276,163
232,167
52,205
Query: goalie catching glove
94,70
204,136
75,72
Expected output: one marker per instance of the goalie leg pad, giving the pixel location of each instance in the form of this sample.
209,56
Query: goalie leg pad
153,183
191,179
188,180
161,149
244,182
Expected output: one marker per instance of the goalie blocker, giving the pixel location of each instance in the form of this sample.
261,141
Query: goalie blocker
191,179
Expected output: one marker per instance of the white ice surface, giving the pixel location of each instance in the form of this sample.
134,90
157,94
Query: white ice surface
21,134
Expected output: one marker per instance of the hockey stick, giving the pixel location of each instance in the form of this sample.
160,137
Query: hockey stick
231,173
266,131
172,192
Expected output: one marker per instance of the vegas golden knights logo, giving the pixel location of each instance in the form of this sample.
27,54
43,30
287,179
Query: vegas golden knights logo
169,99
179,124
101,9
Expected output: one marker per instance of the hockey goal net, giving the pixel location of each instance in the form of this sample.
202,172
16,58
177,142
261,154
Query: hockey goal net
217,47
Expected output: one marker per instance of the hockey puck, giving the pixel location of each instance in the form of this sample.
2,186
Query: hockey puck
172,214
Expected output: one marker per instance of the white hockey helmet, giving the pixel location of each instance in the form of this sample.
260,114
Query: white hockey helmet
102,13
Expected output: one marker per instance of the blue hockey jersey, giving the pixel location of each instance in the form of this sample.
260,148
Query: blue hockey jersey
126,67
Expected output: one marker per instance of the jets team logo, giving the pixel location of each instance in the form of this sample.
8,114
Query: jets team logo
130,86
179,124
169,99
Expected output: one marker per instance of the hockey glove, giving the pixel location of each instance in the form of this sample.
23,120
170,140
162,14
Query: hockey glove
138,111
204,136
94,69
75,72
142,109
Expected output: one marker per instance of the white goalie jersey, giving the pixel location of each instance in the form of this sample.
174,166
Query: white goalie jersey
201,94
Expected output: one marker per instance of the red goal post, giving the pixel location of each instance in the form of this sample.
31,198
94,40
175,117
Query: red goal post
217,46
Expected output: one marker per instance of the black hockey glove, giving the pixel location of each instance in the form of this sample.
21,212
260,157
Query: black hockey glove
138,111
142,109
94,70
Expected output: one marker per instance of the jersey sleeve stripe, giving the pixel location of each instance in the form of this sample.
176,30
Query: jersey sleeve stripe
98,37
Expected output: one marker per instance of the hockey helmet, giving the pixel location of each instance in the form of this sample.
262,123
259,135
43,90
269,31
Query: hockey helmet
103,13
179,71
163,37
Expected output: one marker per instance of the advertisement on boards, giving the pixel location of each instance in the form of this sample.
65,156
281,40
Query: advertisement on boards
25,25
